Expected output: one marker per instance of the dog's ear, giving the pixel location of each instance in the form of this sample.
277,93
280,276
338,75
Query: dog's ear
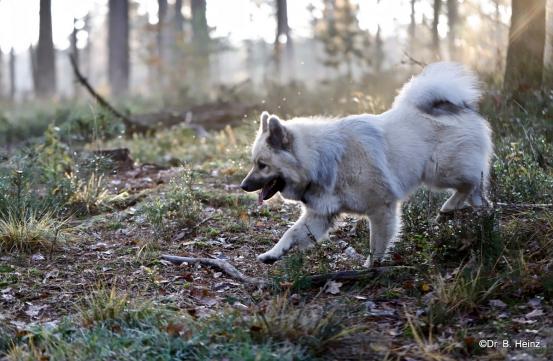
279,137
264,122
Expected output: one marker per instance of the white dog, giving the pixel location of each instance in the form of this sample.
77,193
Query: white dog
368,164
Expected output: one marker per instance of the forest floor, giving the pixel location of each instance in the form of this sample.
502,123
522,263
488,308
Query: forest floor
477,287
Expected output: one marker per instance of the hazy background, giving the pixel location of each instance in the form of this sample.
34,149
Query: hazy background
172,48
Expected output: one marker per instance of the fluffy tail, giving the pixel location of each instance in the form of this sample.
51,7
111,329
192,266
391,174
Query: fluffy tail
441,88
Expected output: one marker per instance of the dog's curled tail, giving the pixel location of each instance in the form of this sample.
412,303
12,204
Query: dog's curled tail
441,88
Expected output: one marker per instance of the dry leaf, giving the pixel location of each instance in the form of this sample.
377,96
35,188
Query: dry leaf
534,313
333,287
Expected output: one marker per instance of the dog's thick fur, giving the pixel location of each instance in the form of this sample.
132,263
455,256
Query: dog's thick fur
368,164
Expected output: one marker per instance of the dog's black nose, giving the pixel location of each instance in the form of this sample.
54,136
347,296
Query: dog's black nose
246,186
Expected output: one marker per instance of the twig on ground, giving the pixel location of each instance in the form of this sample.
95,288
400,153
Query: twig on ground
319,280
221,264
194,227
523,205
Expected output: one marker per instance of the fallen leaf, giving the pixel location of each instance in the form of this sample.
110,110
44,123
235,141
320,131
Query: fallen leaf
174,329
333,287
497,303
208,301
240,306
179,236
37,257
534,313
244,217
425,287
34,310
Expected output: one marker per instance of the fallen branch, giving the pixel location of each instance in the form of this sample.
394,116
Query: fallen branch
210,116
131,126
508,209
220,264
319,280
523,205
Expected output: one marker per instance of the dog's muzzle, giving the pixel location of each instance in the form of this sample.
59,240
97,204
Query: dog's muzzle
268,187
249,186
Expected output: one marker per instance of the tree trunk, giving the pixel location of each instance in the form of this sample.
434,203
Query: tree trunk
525,53
1,75
282,36
435,23
46,65
379,55
178,22
200,31
283,30
200,65
452,22
162,30
34,66
118,46
12,75
412,24
75,53
162,42
548,56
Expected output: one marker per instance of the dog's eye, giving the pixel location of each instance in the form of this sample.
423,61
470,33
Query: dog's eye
261,165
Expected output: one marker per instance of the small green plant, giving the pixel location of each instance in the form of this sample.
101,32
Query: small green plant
517,175
291,271
180,203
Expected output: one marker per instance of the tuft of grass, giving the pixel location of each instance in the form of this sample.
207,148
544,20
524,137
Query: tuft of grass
103,305
427,346
465,291
314,328
91,196
27,230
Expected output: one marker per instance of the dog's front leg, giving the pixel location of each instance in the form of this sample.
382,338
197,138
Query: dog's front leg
384,222
308,229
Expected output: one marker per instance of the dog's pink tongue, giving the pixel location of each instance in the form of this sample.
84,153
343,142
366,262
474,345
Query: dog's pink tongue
260,198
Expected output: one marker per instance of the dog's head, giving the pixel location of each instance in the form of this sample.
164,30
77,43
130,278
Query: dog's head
275,166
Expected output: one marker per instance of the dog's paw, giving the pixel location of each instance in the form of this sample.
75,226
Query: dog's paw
267,258
443,217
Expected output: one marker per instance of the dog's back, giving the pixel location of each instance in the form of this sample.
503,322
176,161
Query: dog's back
435,133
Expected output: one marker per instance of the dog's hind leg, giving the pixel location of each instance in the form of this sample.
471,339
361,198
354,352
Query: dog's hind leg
456,201
384,223
477,199
307,230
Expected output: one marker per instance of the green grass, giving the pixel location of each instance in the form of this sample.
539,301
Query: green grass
110,325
